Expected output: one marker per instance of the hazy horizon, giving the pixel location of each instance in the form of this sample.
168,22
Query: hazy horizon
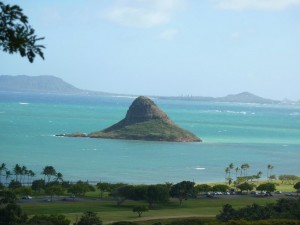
167,47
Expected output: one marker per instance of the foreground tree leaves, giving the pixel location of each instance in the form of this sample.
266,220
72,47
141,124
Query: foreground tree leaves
16,35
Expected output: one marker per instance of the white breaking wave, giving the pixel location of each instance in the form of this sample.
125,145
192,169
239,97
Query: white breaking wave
94,149
23,103
199,168
235,112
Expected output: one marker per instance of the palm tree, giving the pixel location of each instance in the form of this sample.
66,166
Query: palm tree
59,177
227,171
49,171
259,174
271,170
244,168
2,168
31,174
24,172
17,171
237,171
7,175
268,172
231,166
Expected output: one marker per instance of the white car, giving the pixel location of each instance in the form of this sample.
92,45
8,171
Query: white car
26,197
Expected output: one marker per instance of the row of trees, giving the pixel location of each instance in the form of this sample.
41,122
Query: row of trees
153,194
23,175
283,209
241,173
53,184
11,213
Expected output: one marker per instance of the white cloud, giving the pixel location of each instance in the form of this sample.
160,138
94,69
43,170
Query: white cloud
256,4
168,34
144,13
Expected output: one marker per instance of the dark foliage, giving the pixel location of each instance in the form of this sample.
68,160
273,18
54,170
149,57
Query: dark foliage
14,184
124,223
48,220
270,187
191,221
150,193
140,209
182,190
220,187
7,197
16,35
12,214
283,209
38,185
89,218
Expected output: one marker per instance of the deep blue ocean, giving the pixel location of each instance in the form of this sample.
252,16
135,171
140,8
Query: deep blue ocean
232,133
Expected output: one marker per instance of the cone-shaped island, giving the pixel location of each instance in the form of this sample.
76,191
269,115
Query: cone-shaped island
143,121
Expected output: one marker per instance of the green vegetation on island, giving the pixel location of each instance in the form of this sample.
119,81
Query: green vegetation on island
143,121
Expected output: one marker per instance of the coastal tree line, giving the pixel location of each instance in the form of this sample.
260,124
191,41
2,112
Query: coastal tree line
284,211
52,184
21,179
242,174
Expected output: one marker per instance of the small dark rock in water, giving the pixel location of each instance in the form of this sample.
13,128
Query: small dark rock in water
143,121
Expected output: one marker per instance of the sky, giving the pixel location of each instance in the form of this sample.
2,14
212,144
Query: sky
167,47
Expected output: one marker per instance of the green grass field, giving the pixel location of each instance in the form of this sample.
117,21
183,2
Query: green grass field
109,211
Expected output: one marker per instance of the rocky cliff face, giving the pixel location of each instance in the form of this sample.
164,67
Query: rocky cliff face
143,109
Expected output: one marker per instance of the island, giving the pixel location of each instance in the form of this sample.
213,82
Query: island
143,121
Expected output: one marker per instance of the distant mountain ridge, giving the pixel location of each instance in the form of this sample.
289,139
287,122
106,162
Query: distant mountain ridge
42,84
244,97
55,85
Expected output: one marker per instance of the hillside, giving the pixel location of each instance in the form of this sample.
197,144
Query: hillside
39,84
52,84
246,97
144,121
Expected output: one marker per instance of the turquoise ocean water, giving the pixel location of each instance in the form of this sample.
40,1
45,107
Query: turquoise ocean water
239,133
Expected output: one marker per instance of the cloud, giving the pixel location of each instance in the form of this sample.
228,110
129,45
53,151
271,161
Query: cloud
256,4
143,13
168,34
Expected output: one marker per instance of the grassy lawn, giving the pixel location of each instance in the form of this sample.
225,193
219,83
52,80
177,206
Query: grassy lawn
109,211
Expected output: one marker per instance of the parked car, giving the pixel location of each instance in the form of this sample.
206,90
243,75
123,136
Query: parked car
278,192
268,194
26,197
